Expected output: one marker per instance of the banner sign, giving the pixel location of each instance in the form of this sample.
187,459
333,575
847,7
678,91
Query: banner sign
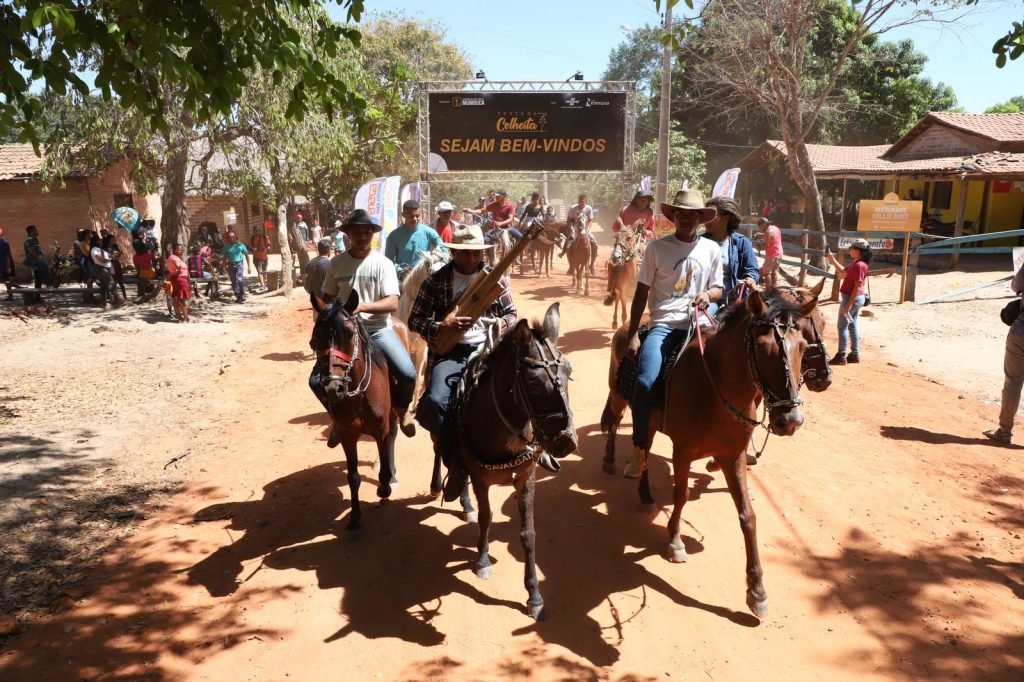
725,186
1018,257
379,198
527,131
875,244
889,215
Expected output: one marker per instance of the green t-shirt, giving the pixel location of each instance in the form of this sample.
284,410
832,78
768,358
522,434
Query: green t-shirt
32,249
235,252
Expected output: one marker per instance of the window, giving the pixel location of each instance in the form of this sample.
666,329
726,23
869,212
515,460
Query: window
123,200
941,195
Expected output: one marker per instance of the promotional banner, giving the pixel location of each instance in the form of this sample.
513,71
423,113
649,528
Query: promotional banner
379,198
725,185
528,131
410,190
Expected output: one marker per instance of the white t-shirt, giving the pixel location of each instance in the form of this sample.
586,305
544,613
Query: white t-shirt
475,335
676,272
100,257
317,233
575,211
372,277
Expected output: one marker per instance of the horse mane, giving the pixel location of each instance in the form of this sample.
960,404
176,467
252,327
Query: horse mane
414,280
776,305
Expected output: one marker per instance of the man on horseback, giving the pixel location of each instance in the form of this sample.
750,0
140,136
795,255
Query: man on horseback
582,208
638,209
434,311
681,274
373,277
503,211
410,239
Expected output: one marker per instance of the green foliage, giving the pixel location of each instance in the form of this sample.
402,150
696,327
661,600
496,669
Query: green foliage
1009,46
686,161
1014,105
200,51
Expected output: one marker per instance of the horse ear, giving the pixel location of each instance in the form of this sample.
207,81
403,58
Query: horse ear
522,332
816,291
352,303
755,303
552,319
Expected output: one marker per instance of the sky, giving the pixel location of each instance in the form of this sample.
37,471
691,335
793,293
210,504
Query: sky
552,39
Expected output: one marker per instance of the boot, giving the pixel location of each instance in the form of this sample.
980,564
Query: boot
637,464
453,484
406,421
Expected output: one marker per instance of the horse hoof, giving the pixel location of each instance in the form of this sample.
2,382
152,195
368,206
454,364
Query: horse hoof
757,607
536,611
677,555
608,467
384,491
470,517
483,572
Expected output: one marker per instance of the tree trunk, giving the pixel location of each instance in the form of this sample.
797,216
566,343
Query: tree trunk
286,252
174,223
299,245
799,162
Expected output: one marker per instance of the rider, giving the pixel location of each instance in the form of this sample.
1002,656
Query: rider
433,311
680,271
739,265
533,211
638,209
373,277
584,209
407,241
503,212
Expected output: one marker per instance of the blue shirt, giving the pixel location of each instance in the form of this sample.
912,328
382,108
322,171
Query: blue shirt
404,246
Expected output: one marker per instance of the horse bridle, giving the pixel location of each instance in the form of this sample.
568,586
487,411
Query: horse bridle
551,361
779,330
347,362
817,348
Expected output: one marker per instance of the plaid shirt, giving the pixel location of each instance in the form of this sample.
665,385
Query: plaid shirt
437,297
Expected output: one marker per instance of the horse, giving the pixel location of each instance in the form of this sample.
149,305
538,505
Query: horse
542,251
711,400
513,412
627,254
579,255
352,380
429,262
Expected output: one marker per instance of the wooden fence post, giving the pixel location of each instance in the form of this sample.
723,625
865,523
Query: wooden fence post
803,257
910,291
837,281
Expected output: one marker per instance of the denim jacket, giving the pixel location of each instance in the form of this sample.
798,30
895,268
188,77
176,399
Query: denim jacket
742,264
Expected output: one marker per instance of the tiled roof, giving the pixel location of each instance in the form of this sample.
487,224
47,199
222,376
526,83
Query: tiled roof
831,161
18,161
998,127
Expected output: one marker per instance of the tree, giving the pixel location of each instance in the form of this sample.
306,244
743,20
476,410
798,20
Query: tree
685,161
759,56
158,56
638,58
1014,105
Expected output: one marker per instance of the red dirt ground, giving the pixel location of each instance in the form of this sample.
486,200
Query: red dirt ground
889,532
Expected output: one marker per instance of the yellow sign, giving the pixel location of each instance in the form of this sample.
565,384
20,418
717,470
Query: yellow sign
889,215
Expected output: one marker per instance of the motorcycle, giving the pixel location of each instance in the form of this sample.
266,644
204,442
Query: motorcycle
64,269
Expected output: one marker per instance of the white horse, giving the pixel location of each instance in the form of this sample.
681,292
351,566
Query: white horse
429,262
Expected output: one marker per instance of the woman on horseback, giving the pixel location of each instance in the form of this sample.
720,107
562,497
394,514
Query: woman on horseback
739,264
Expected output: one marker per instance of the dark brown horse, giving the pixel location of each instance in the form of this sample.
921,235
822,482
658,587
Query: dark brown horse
515,411
352,380
541,250
579,255
757,353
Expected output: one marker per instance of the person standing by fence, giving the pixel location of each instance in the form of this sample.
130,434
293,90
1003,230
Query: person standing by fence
1013,371
854,277
772,251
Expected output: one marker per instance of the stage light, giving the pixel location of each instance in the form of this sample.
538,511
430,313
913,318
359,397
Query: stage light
481,75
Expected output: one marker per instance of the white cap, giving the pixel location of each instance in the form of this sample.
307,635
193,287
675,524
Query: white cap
445,206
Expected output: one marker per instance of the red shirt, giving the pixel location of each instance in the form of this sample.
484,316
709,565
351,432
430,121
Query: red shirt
856,274
501,209
772,242
630,215
258,246
446,231
143,261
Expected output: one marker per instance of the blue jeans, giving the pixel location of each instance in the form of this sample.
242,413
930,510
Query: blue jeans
850,325
444,377
237,276
659,344
400,364
516,234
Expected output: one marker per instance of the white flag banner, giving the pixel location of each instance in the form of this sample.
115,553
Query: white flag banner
725,186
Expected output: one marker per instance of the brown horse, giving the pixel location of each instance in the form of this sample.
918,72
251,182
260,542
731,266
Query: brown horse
542,251
513,413
627,254
712,396
579,255
352,381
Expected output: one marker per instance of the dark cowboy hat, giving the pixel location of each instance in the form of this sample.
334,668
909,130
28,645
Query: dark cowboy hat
361,217
689,200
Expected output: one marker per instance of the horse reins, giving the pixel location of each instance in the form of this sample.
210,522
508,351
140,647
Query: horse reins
347,363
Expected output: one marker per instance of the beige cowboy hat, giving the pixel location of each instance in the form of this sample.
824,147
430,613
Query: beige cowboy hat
468,237
689,200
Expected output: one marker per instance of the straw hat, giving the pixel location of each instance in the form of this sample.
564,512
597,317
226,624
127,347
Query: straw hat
469,238
689,200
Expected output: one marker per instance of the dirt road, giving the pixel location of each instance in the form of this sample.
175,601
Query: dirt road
890,537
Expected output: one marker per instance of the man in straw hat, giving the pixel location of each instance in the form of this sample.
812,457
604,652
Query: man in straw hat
373,277
681,274
432,312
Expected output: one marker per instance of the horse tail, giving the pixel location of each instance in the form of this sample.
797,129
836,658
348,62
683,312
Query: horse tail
608,419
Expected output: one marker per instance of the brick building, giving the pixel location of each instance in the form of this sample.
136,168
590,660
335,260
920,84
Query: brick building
83,201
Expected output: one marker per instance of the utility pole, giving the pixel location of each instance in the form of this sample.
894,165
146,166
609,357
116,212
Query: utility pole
661,188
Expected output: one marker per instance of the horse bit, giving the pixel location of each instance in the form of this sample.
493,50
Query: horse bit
346,365
772,399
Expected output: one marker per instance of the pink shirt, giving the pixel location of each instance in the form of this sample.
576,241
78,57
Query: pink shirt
772,242
856,274
630,215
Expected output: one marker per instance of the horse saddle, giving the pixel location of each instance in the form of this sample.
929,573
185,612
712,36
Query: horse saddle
629,371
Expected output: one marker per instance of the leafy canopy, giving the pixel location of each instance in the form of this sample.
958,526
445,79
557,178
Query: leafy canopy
136,50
